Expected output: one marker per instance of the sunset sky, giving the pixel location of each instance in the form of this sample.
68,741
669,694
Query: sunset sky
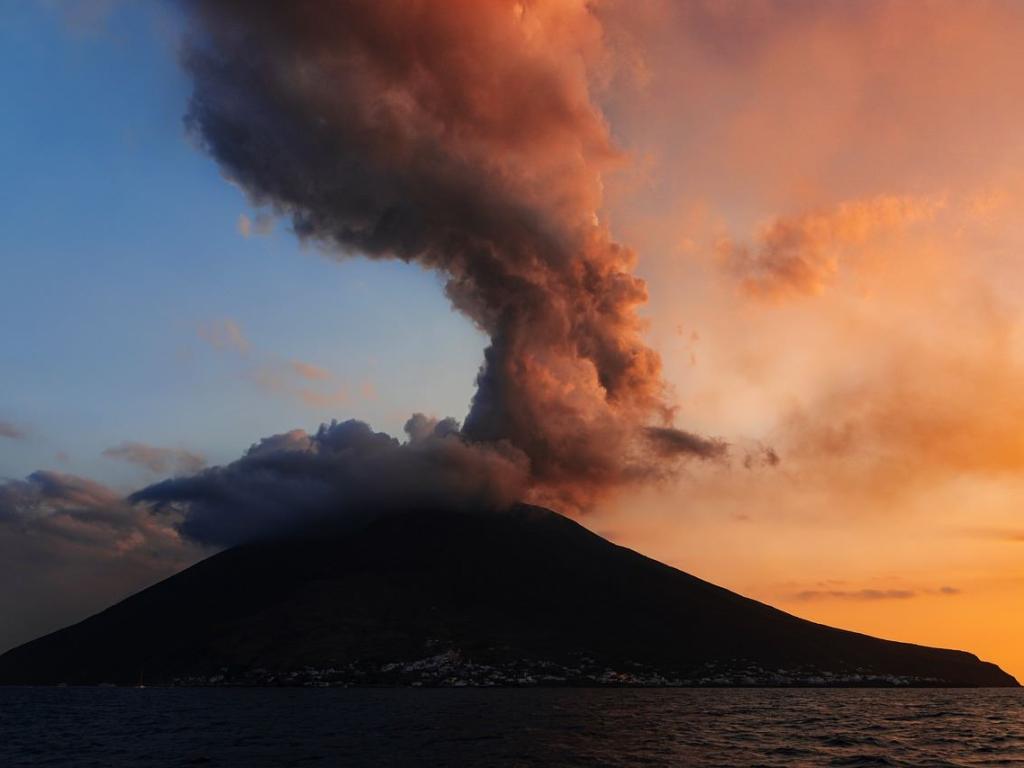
826,201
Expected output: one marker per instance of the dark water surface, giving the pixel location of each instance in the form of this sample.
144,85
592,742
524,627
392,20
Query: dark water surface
538,727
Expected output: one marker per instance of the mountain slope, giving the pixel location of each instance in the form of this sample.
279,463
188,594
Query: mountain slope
526,596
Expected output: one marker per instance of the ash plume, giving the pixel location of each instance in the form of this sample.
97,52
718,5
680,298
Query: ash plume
460,135
344,468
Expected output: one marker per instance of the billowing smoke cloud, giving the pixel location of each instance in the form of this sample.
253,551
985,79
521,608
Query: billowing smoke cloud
462,136
673,442
344,468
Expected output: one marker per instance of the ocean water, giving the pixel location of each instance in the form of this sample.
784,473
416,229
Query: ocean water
520,727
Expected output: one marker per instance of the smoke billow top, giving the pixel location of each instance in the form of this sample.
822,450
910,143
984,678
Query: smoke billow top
460,135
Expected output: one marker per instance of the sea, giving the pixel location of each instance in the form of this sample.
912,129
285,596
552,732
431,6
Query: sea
510,727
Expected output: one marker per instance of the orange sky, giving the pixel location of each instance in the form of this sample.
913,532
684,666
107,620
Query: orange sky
828,200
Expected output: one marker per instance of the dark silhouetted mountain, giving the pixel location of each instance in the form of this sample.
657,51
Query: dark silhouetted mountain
525,597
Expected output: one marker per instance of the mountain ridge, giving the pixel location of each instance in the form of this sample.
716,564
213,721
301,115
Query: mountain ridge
523,597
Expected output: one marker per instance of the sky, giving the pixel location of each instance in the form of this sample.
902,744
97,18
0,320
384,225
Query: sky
824,200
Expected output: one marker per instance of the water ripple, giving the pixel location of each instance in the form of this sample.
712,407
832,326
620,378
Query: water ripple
529,727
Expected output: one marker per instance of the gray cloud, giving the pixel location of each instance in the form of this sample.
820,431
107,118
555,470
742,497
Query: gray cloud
668,441
857,594
83,17
72,546
156,459
295,479
44,492
761,456
873,594
12,432
224,334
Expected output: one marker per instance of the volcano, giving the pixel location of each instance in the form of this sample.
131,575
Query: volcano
526,597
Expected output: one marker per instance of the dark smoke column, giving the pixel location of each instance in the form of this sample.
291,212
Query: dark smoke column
459,134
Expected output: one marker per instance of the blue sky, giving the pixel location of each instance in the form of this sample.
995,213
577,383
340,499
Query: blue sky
120,250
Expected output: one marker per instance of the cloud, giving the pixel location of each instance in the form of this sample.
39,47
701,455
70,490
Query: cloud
263,224
12,432
801,255
69,511
1013,535
869,595
83,17
156,459
859,594
224,334
920,412
761,456
344,469
310,372
46,492
71,547
462,136
669,441
332,399
312,386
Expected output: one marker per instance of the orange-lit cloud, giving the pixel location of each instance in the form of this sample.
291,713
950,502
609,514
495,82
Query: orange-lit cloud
331,399
463,136
224,334
801,254
826,200
262,224
868,594
309,371
311,385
